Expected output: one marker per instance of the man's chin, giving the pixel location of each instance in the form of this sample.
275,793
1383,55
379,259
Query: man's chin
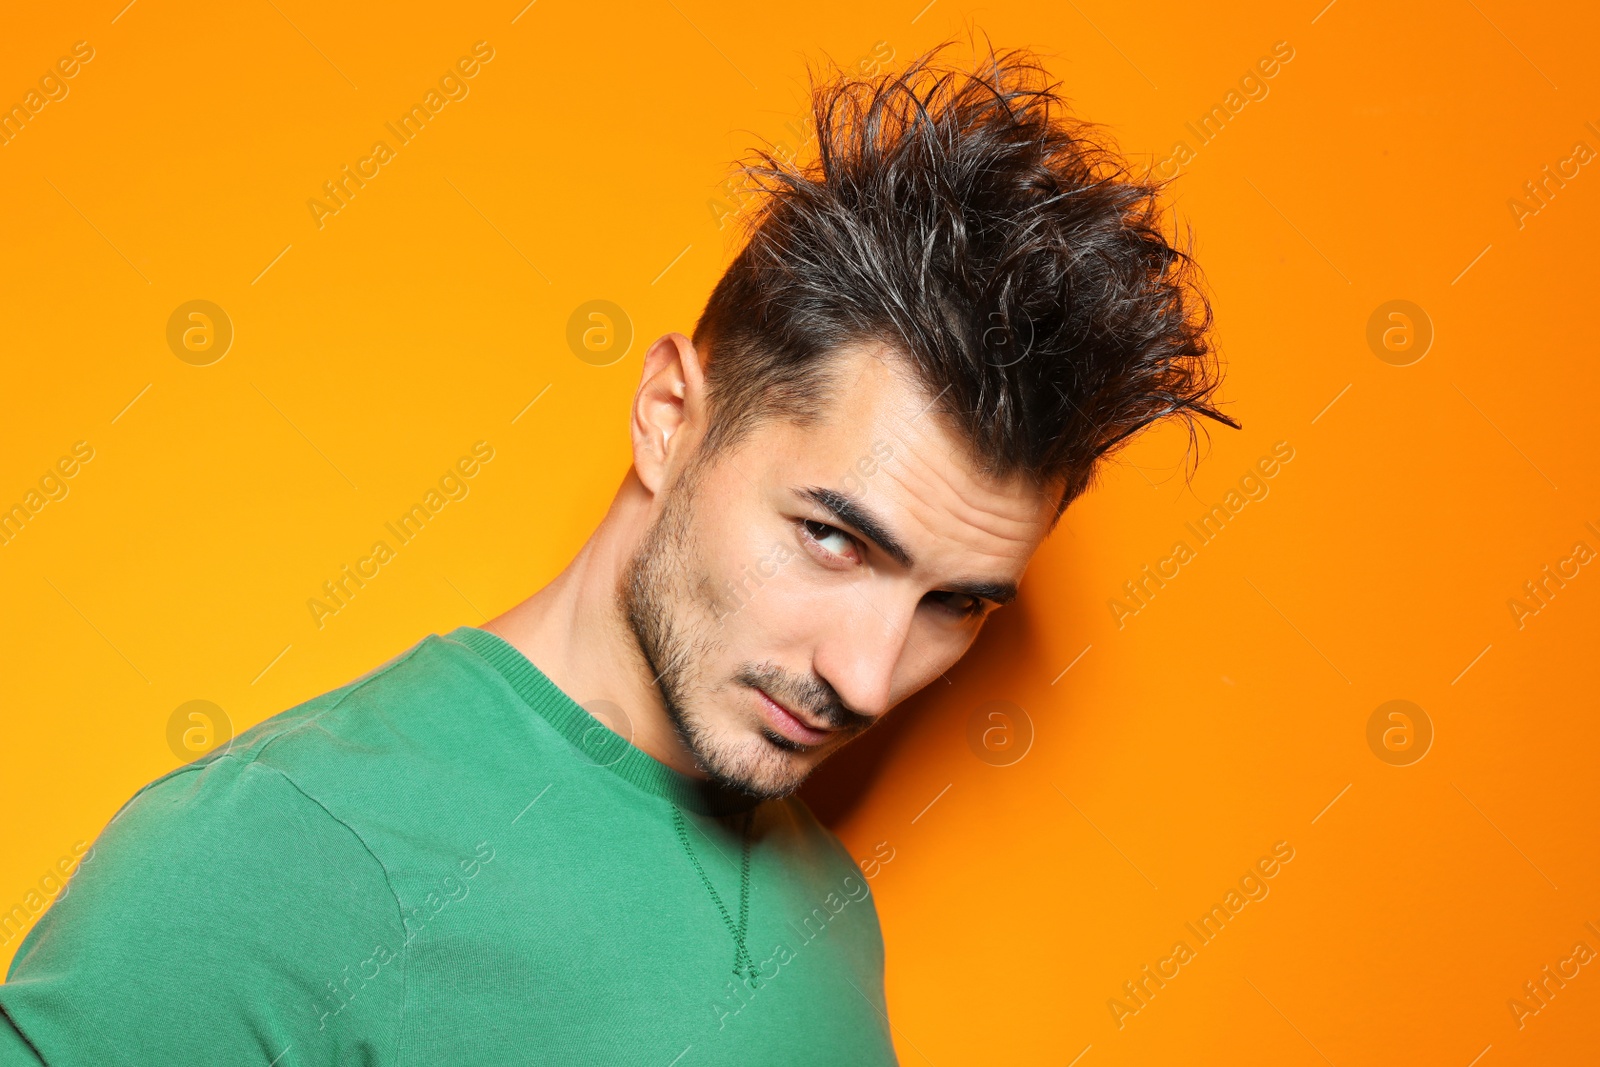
768,766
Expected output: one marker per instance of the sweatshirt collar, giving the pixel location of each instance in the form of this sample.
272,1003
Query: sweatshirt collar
595,741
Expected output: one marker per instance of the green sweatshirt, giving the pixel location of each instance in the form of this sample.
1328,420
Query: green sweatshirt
447,861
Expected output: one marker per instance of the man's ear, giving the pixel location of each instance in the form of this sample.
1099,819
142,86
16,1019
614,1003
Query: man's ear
671,399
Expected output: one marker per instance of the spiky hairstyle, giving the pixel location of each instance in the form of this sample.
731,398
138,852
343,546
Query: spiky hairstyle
996,244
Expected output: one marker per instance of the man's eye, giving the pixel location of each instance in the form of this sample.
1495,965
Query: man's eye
962,605
829,539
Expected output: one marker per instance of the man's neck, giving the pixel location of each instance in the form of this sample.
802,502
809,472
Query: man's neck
574,631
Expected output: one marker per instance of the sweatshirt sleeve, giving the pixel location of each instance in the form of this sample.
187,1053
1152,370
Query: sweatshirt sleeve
223,916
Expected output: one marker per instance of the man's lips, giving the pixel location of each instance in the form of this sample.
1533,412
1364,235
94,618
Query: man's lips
788,723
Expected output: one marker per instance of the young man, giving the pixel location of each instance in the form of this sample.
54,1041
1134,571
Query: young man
569,836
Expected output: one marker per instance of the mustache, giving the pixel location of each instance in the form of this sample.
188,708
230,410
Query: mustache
813,696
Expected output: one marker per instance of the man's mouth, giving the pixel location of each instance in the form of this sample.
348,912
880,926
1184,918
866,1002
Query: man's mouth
788,723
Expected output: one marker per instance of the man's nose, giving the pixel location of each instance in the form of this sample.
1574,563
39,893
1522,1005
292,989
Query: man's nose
858,655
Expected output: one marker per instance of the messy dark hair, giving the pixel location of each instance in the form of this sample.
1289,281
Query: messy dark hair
988,238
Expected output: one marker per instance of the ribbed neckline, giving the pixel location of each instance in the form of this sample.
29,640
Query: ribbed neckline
595,741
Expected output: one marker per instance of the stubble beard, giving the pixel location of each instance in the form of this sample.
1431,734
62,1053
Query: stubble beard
673,613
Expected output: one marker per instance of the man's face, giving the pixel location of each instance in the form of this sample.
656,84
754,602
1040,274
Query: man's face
812,578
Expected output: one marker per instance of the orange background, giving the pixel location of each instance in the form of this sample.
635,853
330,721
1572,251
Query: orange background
1222,718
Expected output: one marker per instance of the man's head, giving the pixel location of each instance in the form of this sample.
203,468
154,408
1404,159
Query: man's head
931,338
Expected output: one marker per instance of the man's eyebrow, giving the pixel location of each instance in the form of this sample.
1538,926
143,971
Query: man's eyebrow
868,525
862,519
